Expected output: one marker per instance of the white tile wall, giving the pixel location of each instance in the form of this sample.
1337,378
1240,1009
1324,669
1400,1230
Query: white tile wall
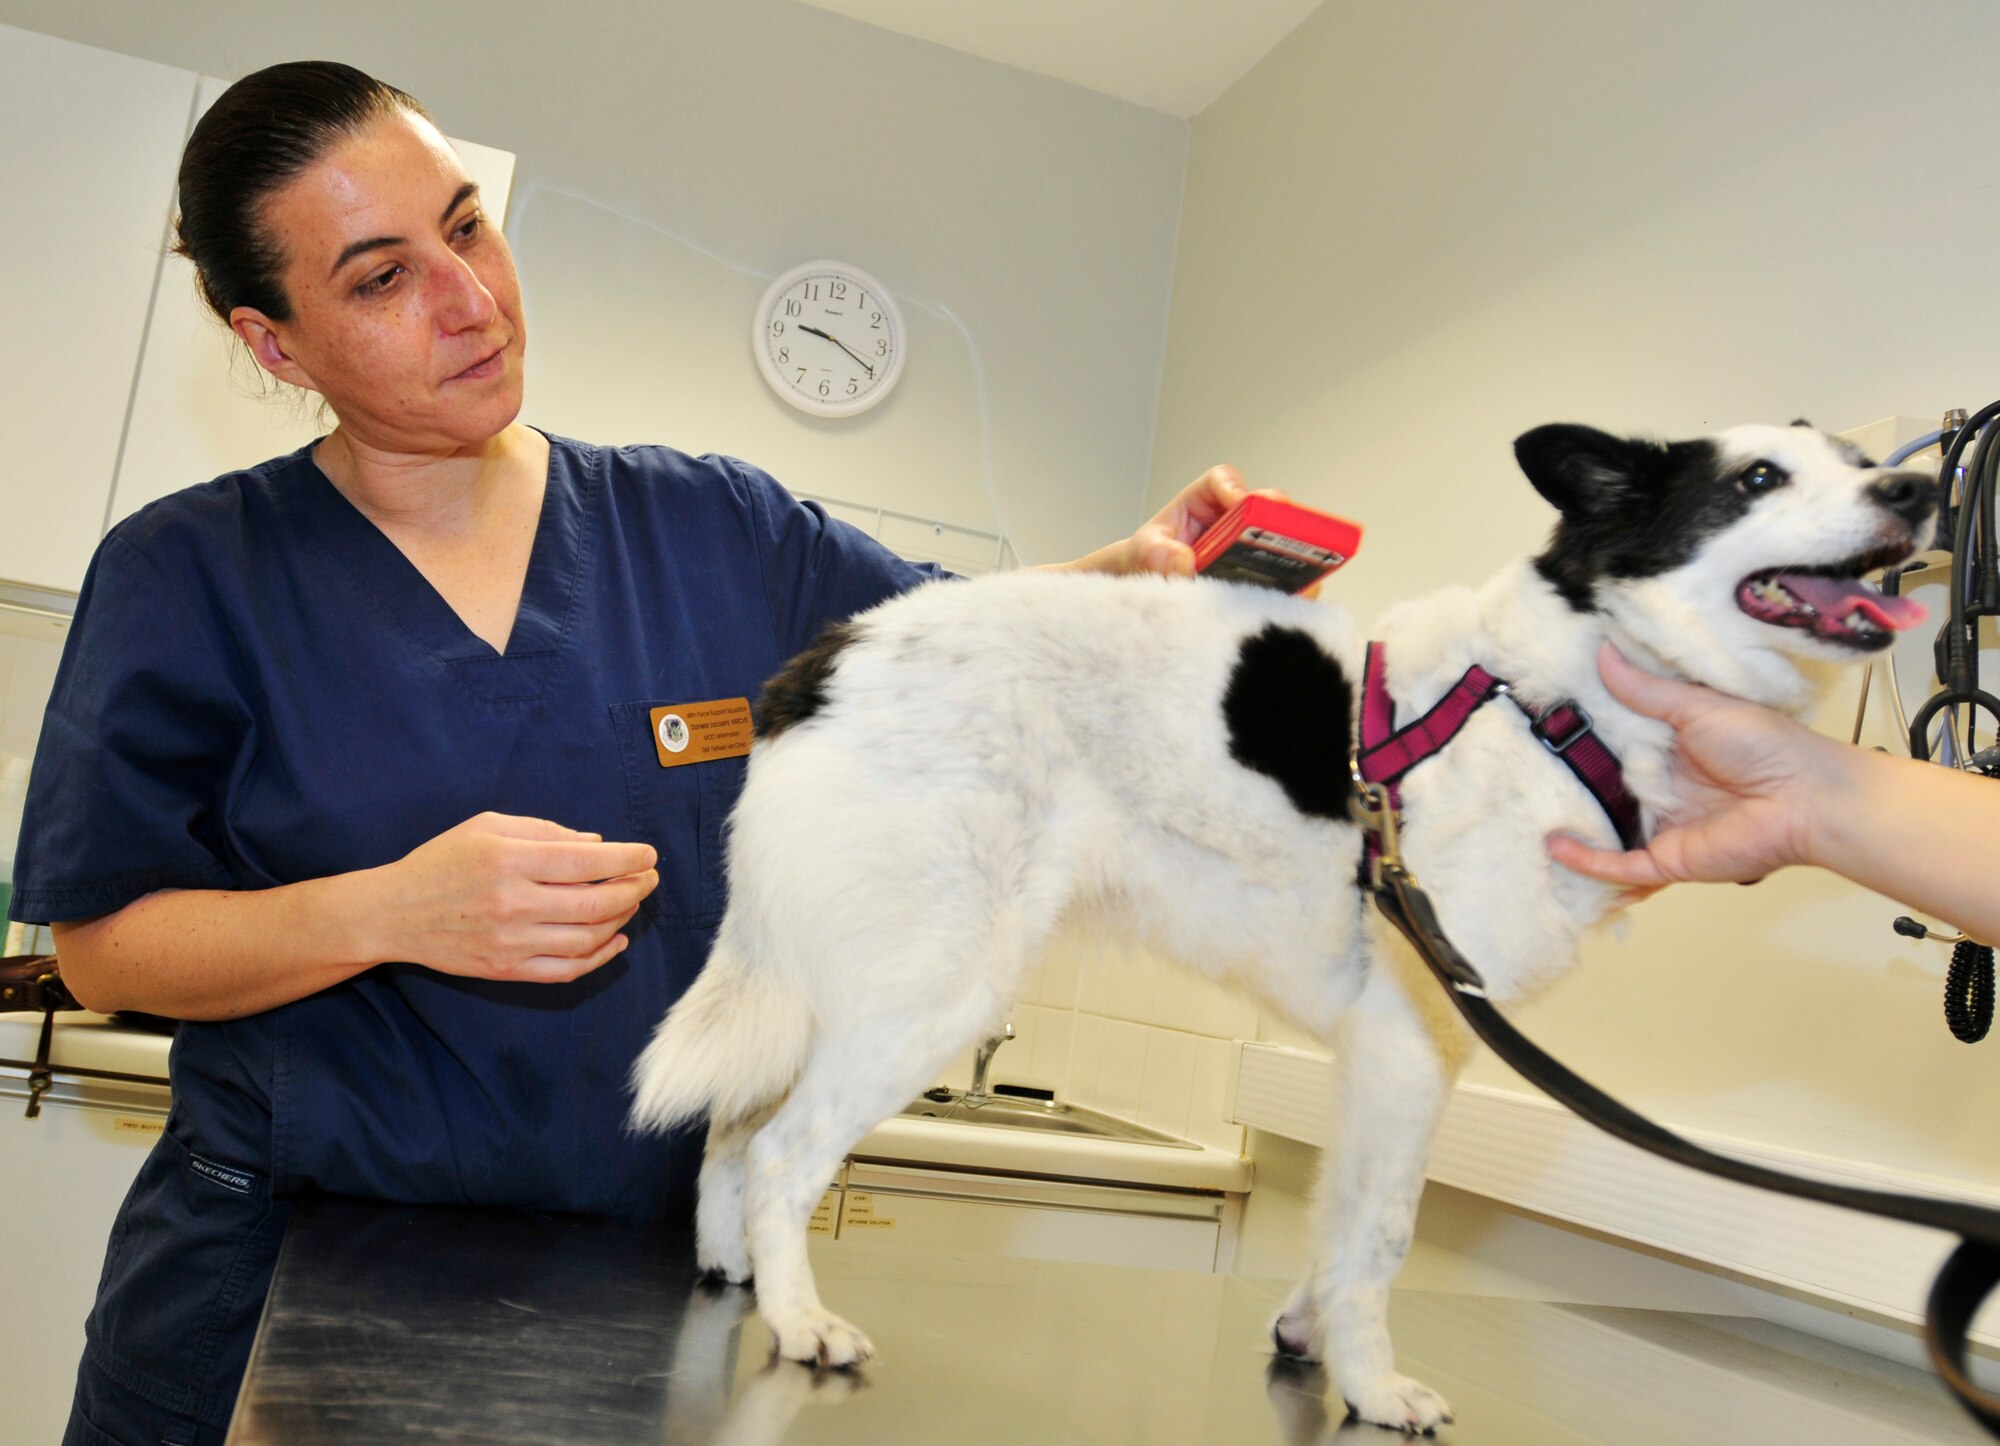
1109,1026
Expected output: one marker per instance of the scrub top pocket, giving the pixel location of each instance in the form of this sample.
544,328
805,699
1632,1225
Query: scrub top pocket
681,812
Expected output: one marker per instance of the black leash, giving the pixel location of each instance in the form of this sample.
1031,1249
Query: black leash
1968,1276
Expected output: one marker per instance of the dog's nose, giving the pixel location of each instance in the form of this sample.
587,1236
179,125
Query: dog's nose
1907,494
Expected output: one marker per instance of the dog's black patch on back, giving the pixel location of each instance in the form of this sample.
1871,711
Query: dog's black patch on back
1290,710
799,689
1630,508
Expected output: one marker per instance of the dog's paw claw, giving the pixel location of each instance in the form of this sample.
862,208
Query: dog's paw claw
822,1339
1292,1336
1400,1404
727,1270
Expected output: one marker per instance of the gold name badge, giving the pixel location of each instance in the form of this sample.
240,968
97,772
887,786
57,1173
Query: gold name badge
699,732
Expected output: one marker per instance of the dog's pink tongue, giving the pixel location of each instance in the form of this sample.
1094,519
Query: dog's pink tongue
1834,598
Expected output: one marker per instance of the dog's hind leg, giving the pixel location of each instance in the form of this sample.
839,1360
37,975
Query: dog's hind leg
1394,1064
721,1248
854,1079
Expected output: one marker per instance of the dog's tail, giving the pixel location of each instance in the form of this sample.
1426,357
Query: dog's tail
734,1042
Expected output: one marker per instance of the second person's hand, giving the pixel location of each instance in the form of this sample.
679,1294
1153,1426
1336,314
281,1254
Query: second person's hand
1748,776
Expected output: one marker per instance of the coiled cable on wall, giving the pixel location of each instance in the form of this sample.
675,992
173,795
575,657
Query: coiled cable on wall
1968,528
1968,992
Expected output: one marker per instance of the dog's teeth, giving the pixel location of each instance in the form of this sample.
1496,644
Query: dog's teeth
1771,591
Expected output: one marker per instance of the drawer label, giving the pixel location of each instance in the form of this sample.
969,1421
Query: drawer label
822,1222
860,1213
138,1124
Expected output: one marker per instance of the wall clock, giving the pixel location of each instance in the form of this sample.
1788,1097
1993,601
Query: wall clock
828,339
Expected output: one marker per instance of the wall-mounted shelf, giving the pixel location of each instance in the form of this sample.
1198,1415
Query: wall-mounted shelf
964,550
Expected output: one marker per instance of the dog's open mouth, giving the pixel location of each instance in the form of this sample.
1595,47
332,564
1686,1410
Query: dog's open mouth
1832,601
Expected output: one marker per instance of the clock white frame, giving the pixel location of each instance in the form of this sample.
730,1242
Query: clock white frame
760,326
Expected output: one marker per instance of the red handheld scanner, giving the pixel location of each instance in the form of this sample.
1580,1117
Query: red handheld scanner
1275,544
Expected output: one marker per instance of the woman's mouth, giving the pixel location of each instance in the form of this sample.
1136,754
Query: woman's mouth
479,371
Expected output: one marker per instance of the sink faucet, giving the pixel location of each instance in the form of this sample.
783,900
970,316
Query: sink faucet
983,1061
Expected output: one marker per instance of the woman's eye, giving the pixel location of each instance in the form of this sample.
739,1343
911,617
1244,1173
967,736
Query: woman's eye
471,225
376,285
1762,477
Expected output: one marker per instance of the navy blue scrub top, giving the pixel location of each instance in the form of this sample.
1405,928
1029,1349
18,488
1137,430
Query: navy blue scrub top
259,688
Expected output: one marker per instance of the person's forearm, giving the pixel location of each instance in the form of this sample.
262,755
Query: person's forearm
1114,557
211,954
1924,835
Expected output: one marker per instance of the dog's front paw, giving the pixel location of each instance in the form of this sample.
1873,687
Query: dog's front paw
821,1338
1399,1403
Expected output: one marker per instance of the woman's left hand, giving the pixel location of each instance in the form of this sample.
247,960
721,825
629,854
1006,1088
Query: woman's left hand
1165,543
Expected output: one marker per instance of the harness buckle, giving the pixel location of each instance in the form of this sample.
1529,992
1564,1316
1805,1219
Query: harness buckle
1560,746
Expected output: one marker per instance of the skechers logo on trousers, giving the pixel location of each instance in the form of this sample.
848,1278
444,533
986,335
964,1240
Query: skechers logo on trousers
227,1176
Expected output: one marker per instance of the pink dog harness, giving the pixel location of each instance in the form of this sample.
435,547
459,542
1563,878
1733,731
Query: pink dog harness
1387,752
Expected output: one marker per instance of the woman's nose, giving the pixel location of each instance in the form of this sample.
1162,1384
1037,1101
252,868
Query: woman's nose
463,302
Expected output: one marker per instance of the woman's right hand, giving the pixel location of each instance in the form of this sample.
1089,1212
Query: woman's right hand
504,897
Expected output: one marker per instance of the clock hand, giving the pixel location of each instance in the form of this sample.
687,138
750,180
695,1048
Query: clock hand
839,343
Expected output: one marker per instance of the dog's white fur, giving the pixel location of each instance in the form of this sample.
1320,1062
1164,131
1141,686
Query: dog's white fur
997,755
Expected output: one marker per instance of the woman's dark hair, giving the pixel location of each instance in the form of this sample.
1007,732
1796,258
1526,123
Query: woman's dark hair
261,133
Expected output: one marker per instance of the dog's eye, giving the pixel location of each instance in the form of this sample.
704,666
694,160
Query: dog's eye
1762,477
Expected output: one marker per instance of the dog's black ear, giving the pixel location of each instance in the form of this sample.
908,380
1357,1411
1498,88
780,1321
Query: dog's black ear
1802,422
1580,469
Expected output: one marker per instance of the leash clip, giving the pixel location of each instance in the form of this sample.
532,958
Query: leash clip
1369,808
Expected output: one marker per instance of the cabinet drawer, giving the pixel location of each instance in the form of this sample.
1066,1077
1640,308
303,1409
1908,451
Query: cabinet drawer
1040,1220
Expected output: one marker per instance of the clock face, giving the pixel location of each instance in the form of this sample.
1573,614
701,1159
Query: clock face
828,339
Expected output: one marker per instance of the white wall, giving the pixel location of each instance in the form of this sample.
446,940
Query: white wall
1416,230
674,156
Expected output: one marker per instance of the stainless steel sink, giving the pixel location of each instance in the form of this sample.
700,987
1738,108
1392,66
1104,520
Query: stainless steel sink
1049,1117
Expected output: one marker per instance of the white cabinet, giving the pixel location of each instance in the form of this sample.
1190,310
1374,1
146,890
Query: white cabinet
89,141
948,1210
62,1176
203,406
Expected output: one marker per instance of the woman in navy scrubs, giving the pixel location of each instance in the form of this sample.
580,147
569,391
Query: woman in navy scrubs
349,763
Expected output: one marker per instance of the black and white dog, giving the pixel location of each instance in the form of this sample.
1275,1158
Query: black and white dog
940,781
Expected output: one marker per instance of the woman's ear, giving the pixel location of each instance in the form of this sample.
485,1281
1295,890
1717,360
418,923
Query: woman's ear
268,347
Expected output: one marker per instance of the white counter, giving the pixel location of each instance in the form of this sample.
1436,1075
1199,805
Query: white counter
87,1041
95,1042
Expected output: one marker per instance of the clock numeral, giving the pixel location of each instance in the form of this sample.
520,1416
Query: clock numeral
825,388
801,376
784,355
853,385
836,291
881,346
812,291
777,328
875,320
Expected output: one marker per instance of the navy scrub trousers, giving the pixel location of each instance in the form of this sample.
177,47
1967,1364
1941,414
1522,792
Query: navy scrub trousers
258,689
